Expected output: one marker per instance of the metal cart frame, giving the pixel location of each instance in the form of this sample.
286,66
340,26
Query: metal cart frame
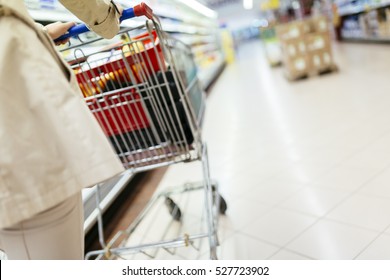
151,108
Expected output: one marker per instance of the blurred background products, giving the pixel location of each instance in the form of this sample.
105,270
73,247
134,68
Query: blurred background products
271,43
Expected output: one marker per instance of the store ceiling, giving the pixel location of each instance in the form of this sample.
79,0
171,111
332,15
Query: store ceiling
222,3
219,3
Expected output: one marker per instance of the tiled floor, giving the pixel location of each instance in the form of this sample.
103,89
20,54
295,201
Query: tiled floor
304,166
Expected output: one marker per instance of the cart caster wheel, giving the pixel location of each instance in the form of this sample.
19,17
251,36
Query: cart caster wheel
222,201
222,205
173,209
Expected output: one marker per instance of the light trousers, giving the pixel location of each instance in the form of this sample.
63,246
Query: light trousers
55,234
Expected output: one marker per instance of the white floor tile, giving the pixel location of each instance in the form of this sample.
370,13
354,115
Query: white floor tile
377,250
303,172
314,201
327,154
279,226
288,255
273,191
379,186
347,178
234,186
242,212
242,247
364,211
361,138
329,240
370,158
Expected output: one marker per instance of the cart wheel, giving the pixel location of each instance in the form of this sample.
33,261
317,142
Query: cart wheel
222,205
173,209
222,201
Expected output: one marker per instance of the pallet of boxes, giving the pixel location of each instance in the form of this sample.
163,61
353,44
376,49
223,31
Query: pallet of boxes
306,48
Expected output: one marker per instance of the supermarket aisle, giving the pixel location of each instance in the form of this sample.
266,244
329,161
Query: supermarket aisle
304,166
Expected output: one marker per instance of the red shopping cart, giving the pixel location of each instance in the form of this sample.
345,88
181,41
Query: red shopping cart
143,92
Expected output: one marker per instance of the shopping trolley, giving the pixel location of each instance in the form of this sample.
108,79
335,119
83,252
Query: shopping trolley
144,92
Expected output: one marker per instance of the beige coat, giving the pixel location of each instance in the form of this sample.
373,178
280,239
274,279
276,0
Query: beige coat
50,144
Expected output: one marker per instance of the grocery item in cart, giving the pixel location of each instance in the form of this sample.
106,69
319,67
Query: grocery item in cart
161,107
132,63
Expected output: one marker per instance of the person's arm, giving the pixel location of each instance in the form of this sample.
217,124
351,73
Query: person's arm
56,29
102,16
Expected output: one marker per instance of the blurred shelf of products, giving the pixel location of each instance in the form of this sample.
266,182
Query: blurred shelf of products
364,20
189,21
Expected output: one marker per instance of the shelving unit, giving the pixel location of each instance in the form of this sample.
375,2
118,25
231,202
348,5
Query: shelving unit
365,21
187,20
198,27
350,9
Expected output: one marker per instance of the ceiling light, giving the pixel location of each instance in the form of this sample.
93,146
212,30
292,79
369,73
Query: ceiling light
248,4
200,8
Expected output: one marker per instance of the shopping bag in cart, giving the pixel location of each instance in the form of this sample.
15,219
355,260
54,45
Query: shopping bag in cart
171,104
165,110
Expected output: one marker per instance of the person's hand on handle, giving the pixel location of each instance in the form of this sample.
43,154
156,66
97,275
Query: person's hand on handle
57,29
119,8
105,28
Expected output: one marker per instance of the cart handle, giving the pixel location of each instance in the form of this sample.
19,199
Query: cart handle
137,11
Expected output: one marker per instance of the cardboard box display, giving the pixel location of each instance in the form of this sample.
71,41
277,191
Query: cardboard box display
293,47
297,67
318,41
317,24
306,47
299,28
298,64
321,24
320,60
291,30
